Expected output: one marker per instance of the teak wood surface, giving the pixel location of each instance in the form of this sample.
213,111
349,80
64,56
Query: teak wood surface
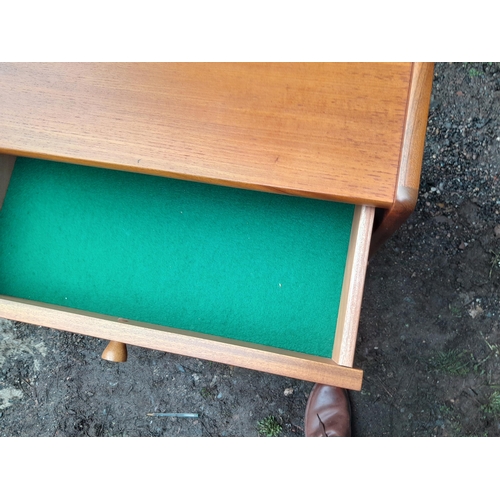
324,130
6,167
412,153
352,287
346,132
210,347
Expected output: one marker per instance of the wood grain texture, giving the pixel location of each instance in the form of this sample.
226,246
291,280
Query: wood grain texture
412,153
6,167
324,130
267,359
353,285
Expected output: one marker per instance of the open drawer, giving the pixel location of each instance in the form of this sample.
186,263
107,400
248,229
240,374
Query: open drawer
263,281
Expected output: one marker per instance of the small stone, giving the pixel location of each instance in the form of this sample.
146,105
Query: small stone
497,231
475,312
288,391
442,219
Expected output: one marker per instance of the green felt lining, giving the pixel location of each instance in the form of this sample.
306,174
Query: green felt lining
241,264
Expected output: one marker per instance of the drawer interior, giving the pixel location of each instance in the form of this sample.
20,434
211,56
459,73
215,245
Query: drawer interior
246,265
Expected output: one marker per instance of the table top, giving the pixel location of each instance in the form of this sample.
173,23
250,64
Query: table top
323,130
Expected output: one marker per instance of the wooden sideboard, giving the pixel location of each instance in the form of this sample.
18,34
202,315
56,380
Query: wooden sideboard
332,133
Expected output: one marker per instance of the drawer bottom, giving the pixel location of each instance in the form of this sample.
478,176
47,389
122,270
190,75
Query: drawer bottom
245,265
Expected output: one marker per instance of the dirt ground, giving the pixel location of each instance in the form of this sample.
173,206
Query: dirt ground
429,335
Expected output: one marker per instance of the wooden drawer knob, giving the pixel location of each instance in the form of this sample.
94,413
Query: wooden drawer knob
115,351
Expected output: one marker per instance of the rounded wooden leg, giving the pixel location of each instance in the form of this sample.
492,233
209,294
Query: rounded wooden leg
115,351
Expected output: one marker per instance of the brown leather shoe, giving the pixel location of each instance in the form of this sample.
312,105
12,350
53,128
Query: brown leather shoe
328,412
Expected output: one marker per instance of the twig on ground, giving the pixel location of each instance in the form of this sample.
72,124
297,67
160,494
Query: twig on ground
180,415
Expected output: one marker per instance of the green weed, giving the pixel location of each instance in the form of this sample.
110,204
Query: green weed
495,261
207,393
473,72
269,427
494,348
492,407
453,362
